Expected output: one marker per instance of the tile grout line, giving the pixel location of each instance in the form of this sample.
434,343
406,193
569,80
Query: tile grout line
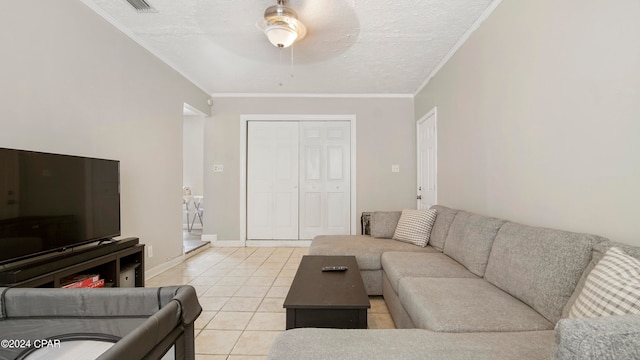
256,311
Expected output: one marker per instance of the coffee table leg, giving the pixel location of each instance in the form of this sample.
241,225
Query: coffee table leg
362,319
291,319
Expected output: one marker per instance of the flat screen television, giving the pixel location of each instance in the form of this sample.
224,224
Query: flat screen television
51,202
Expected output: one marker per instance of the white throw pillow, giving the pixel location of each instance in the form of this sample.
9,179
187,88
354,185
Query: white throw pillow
415,226
612,287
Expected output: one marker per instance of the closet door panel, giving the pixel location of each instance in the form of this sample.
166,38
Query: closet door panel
272,180
325,181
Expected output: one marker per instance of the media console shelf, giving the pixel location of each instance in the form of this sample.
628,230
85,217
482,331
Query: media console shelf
107,260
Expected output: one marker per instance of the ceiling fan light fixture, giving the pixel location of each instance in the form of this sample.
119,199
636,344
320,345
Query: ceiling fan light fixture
281,36
282,25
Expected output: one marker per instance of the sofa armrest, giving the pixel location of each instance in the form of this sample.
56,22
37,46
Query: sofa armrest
609,337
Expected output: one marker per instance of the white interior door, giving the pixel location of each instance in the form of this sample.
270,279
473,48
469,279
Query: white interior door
325,180
272,180
427,161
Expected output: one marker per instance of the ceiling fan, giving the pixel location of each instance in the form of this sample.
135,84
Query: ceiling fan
281,25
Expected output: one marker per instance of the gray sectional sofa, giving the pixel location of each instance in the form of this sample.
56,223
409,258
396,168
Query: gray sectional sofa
484,288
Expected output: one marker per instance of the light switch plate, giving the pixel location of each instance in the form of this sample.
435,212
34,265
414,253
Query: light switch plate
218,168
395,168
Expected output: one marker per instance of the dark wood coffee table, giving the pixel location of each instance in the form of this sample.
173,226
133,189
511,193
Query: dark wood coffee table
327,299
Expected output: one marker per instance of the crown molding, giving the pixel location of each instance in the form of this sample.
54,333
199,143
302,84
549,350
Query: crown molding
463,39
138,40
309,95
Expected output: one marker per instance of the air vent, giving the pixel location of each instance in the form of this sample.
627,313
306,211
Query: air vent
142,6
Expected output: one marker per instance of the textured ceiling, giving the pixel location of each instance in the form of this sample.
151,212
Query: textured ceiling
352,46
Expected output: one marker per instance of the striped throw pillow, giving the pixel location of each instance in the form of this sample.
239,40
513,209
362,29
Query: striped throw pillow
612,287
415,226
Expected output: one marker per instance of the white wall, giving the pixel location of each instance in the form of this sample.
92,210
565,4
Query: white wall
385,135
71,83
538,117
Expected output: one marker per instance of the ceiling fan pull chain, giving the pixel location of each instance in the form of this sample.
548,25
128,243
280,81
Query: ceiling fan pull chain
291,61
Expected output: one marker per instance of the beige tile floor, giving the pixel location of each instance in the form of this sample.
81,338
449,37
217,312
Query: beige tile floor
241,291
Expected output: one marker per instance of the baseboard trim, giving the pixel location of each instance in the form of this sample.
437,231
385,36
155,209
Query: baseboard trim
197,251
278,243
213,239
209,237
156,270
227,243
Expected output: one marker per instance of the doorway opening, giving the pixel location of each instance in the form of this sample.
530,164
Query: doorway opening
427,158
193,205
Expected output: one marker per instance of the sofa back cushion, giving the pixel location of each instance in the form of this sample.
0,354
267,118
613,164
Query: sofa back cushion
470,238
383,223
539,266
441,226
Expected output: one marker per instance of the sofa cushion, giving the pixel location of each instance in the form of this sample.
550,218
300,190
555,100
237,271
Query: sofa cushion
612,287
466,305
539,266
383,223
398,265
470,239
609,337
372,280
441,226
415,226
366,249
597,253
409,344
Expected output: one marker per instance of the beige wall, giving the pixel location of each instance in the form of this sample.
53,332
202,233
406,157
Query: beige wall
539,117
385,135
193,151
71,83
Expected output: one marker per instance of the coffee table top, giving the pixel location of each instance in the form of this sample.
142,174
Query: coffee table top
314,289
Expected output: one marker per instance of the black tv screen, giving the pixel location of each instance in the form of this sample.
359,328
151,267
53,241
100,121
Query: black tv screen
51,202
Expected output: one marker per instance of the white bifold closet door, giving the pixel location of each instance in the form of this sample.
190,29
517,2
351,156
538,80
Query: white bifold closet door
298,179
325,178
272,180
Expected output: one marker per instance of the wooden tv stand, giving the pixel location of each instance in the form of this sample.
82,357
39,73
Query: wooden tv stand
107,260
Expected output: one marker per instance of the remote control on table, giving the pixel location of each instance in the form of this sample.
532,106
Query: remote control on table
334,268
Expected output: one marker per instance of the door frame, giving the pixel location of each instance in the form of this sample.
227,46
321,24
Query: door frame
432,113
244,119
